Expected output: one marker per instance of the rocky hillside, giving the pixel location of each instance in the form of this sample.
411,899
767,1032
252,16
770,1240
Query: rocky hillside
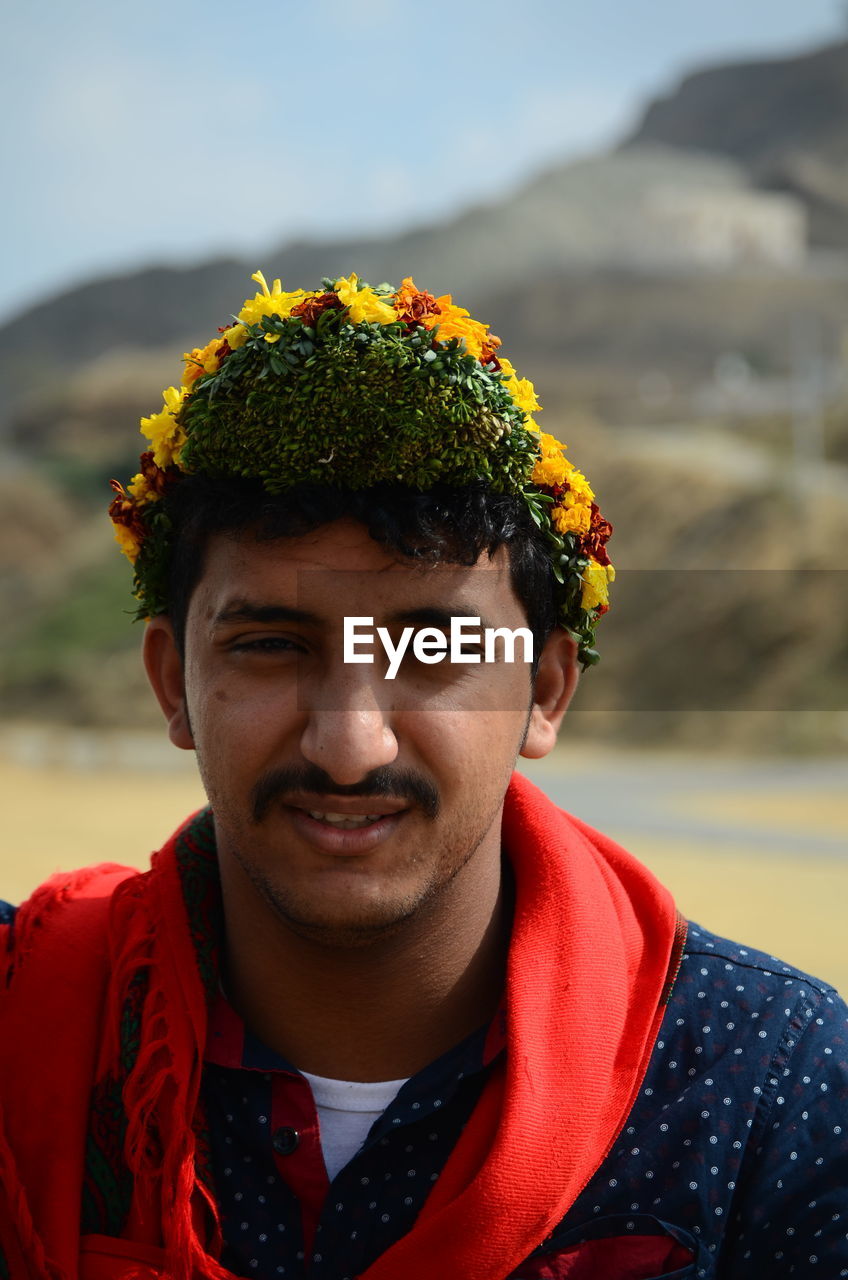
785,120
606,214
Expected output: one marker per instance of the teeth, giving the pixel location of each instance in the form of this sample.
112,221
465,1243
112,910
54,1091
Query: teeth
345,820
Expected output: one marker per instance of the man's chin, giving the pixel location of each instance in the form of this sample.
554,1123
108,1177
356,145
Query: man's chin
338,925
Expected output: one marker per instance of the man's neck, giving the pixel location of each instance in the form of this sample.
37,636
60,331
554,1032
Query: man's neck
380,1011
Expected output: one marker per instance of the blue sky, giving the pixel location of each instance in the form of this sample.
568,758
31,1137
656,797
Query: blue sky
169,130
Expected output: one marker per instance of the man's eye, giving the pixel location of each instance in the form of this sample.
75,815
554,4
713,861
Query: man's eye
268,644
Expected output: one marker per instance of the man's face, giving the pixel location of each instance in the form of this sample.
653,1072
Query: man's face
348,800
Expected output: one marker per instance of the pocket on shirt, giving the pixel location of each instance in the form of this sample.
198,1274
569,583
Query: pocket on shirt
106,1258
619,1247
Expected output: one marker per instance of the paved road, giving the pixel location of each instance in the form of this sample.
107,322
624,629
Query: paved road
772,806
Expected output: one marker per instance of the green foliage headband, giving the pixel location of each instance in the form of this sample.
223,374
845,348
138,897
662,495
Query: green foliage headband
350,386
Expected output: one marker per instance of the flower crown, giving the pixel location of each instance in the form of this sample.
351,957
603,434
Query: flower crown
352,386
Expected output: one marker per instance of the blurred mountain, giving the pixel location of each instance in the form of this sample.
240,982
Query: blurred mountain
785,120
652,210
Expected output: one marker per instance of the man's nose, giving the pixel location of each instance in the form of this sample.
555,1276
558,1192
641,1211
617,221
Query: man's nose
347,732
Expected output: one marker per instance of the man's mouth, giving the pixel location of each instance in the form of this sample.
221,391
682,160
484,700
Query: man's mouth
350,825
346,821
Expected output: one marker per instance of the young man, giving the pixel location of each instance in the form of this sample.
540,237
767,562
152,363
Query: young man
382,1011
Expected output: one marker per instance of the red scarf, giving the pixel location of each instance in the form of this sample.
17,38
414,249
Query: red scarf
595,942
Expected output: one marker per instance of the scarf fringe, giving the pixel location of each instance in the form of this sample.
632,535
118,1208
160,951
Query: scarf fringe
159,1096
130,956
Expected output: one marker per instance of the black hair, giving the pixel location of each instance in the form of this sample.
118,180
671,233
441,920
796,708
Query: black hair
443,525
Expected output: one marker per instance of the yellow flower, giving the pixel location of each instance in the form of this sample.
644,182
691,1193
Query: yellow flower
128,542
269,302
521,389
596,578
550,445
551,471
163,431
572,519
364,304
235,336
552,467
579,488
141,489
456,322
524,395
201,360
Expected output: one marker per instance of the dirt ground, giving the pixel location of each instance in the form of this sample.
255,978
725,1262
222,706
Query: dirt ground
71,800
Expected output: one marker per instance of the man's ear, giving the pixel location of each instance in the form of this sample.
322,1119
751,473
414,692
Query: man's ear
556,680
164,668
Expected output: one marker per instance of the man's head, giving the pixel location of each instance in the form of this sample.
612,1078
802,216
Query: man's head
349,453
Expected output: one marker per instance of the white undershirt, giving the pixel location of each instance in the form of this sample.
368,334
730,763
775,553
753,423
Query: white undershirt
346,1111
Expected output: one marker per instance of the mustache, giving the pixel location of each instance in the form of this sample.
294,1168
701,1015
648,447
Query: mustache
397,784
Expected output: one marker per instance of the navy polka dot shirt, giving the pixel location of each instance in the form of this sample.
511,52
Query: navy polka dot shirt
736,1149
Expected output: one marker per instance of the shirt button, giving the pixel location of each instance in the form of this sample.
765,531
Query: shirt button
285,1141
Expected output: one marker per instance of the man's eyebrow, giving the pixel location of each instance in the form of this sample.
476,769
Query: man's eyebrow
435,615
252,611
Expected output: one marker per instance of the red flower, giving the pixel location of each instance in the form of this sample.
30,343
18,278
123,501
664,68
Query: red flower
594,542
158,479
415,305
124,510
311,308
487,355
